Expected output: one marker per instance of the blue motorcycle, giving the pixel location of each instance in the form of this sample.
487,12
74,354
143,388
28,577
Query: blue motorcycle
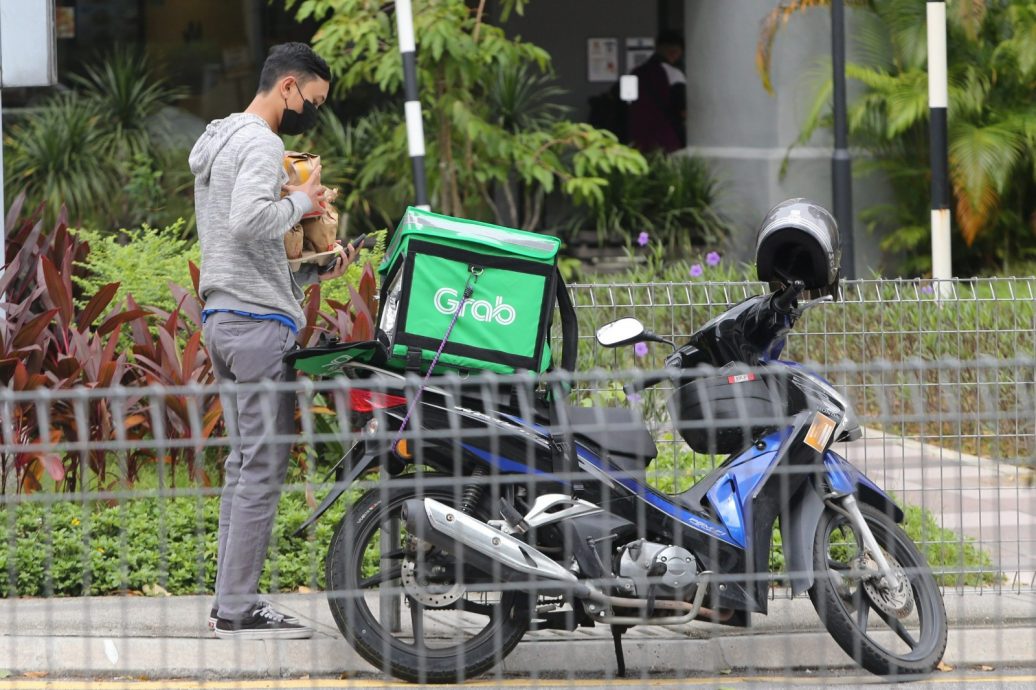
501,512
525,517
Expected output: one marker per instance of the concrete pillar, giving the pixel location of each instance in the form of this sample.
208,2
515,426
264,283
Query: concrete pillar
745,132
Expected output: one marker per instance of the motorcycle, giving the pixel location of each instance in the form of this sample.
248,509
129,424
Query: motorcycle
530,517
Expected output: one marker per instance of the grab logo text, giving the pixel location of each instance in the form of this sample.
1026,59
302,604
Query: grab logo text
446,302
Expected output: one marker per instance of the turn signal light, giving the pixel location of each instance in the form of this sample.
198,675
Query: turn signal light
403,450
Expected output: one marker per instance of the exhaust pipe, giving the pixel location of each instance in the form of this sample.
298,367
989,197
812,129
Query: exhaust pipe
488,549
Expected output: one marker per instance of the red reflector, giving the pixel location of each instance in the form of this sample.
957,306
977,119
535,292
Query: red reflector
741,378
361,400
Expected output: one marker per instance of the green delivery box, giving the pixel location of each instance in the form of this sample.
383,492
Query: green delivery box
503,326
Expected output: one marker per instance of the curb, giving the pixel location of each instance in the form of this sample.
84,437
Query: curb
111,637
214,659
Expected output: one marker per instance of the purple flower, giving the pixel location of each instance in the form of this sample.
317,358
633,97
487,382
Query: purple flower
634,398
643,238
640,349
927,289
696,271
712,258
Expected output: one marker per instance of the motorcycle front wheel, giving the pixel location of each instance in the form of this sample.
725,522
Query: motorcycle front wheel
890,629
403,607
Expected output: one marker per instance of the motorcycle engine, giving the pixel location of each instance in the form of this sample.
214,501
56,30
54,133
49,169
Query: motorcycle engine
667,571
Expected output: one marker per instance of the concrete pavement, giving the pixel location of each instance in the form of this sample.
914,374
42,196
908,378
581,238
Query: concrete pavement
166,637
991,502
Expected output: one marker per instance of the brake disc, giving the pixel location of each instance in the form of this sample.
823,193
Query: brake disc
432,595
894,598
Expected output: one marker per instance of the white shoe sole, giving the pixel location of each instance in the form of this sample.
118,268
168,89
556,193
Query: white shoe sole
292,620
283,634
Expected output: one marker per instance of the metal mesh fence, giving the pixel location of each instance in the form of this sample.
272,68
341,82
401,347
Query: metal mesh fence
938,370
473,542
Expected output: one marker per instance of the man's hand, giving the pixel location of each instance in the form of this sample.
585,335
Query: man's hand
346,255
311,188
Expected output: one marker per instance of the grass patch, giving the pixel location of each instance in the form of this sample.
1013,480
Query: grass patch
982,410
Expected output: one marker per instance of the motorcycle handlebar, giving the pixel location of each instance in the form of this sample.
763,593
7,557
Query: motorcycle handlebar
639,386
784,300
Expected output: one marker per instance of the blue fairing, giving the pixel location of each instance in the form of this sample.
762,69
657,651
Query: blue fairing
503,463
652,497
731,493
843,478
656,499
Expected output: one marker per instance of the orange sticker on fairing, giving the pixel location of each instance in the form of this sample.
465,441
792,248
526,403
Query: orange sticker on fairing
820,432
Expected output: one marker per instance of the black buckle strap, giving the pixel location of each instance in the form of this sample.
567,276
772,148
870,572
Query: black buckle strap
413,360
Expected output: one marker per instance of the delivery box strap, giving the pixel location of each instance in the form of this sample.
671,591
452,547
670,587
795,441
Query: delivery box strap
569,327
469,289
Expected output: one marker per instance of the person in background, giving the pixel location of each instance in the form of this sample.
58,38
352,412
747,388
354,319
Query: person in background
252,314
657,118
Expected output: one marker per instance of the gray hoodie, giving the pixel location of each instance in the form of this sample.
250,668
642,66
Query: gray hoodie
238,166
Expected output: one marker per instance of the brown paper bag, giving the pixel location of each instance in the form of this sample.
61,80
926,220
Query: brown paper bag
320,233
293,242
299,167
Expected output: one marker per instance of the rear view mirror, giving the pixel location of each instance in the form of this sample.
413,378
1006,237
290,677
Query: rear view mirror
622,332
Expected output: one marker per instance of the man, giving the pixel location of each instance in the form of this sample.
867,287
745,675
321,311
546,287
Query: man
657,117
252,314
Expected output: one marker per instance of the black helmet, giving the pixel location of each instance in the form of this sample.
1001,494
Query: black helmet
798,240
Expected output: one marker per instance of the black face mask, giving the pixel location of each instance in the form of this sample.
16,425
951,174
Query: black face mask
294,122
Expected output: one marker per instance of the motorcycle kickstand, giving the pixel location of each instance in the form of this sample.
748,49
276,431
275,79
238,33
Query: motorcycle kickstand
620,658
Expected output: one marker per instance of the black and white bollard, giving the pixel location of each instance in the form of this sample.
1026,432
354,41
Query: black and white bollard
412,106
942,270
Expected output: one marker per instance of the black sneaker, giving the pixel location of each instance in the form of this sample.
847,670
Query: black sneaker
214,615
263,623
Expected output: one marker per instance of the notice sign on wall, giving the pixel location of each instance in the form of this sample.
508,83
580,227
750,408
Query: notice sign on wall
638,51
65,22
602,58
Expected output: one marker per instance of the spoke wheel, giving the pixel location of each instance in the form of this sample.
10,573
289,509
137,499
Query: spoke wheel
890,629
403,605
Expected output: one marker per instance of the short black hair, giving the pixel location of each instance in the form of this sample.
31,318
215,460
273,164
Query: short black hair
669,37
294,59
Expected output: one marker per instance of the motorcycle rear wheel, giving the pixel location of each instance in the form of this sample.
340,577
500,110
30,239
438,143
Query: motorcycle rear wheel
463,638
910,635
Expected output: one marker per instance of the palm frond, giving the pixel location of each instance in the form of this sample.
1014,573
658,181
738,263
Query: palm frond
970,15
127,86
58,157
982,159
907,101
968,91
906,23
872,44
1018,49
772,23
525,99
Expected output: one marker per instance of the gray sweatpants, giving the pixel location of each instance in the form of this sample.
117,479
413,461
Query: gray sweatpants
245,350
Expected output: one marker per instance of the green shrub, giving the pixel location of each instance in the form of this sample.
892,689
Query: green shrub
64,548
675,202
93,150
144,261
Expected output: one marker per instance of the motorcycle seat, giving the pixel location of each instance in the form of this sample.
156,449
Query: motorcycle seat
617,430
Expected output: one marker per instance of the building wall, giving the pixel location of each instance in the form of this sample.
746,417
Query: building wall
562,29
745,132
732,121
